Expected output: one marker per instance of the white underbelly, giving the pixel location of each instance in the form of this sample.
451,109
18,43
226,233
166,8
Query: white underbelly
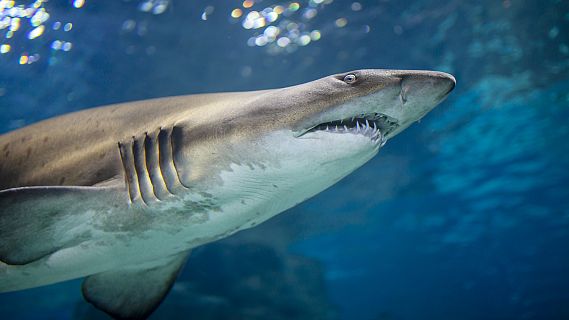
247,197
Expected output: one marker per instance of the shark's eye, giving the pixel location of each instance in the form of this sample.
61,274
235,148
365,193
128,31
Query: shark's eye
350,78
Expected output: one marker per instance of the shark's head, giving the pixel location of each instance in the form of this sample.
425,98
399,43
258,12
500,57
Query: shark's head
347,117
307,137
374,103
343,120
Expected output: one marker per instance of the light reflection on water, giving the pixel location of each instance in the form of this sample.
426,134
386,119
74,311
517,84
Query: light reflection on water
282,27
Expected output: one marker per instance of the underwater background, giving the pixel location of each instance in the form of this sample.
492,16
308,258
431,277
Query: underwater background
465,215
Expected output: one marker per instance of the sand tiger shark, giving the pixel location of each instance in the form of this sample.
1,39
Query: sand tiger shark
120,194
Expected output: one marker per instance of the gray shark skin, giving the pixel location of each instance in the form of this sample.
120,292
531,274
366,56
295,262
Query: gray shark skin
121,194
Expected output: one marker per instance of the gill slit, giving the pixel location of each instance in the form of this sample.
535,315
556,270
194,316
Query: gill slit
146,186
147,167
174,162
139,175
126,175
166,161
131,177
162,160
153,167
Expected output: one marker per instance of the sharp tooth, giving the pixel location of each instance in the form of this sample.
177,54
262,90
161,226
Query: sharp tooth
341,120
326,127
383,140
336,128
346,127
374,126
353,119
374,135
357,126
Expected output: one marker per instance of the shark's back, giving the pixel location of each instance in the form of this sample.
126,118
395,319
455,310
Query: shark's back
81,148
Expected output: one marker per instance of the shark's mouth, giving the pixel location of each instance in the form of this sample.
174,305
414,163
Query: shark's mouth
376,126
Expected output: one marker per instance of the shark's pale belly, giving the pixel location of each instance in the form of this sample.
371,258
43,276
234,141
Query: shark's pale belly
245,199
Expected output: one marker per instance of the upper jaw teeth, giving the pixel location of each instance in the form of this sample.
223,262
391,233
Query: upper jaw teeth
362,126
376,126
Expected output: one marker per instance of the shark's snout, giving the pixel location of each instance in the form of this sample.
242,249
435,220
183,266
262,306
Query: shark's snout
425,86
420,92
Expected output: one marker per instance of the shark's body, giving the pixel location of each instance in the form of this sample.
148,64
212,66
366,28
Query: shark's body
122,193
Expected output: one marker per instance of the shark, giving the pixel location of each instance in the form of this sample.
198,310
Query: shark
121,194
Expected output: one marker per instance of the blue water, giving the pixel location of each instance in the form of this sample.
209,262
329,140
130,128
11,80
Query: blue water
465,215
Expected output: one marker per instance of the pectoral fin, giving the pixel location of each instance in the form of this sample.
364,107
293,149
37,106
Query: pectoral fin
37,221
135,292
